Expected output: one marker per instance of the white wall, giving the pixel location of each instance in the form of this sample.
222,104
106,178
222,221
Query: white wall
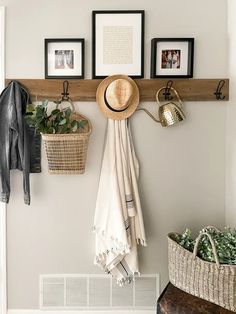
182,181
3,277
230,121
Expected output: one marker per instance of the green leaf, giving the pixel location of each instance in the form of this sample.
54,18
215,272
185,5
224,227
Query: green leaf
44,103
58,121
57,102
55,111
83,123
63,129
62,122
30,121
30,108
50,130
40,113
74,126
67,112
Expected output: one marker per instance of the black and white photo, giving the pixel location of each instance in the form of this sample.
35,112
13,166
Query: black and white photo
64,58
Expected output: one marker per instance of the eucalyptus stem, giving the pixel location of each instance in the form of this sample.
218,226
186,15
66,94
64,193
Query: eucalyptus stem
59,121
225,243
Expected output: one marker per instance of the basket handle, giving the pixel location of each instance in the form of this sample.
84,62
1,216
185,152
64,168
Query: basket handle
69,100
211,227
202,233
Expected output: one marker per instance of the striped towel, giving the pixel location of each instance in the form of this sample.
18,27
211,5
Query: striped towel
118,221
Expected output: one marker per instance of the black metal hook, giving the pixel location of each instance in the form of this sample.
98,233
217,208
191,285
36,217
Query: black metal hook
65,94
218,92
166,92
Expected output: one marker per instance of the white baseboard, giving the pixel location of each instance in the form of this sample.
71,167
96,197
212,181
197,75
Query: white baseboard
81,312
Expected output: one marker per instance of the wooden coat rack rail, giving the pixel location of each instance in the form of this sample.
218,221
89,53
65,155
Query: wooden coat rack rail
85,90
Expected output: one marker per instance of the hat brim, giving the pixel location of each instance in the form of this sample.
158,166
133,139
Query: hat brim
100,97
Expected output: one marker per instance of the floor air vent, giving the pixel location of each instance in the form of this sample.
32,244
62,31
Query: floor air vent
98,292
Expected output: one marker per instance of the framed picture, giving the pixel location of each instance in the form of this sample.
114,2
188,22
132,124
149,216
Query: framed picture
172,57
64,58
118,43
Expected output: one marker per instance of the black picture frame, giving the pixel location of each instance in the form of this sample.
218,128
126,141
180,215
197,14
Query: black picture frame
163,66
64,58
96,31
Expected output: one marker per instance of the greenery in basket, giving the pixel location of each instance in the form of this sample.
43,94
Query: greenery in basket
225,243
59,121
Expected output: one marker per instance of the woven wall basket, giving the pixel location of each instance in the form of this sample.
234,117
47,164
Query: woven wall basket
67,153
213,282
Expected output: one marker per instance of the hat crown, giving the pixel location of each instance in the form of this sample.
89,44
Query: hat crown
119,94
117,101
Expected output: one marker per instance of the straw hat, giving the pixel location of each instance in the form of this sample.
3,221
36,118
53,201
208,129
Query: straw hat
117,97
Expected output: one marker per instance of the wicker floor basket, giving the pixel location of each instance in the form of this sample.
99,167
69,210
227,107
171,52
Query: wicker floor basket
213,282
67,153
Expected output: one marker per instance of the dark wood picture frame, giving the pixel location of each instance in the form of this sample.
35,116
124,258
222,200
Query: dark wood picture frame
166,73
96,75
81,54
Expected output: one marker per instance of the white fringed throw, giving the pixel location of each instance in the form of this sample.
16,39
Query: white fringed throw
118,222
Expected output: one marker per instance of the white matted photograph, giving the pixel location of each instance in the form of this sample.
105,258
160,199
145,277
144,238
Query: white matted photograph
64,58
172,57
118,43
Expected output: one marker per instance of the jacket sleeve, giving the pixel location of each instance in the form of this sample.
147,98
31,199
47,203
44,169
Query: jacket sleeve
5,144
21,100
5,176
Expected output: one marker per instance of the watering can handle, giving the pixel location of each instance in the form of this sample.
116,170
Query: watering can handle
171,88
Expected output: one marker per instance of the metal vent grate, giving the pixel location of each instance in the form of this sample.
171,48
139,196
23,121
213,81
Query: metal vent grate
76,291
98,292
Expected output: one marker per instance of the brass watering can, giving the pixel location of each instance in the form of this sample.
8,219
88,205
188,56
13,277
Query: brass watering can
169,113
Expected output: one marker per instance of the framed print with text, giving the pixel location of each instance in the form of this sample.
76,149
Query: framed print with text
64,58
118,43
172,57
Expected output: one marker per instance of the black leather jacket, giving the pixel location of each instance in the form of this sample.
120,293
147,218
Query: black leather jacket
19,146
